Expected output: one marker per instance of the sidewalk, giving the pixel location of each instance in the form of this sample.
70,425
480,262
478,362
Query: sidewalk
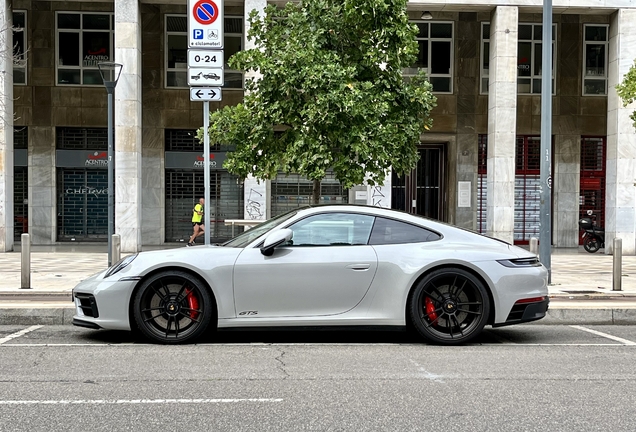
581,288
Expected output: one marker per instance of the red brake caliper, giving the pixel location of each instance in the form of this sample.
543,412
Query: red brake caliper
193,303
430,309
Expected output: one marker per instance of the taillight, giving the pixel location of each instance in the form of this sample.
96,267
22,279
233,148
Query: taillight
530,300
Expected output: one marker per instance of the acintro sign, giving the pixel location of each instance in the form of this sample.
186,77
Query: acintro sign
205,24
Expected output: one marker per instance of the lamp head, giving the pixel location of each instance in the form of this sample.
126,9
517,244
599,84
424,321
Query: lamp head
110,72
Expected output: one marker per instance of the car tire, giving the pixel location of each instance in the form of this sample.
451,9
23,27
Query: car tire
173,307
449,306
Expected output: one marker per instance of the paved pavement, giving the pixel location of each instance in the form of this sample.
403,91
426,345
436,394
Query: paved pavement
581,288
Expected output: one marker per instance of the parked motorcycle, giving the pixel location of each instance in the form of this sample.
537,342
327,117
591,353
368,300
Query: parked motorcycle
593,236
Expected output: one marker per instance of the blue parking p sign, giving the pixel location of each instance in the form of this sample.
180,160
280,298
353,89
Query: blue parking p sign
205,24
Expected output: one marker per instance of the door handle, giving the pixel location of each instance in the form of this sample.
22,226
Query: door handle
359,266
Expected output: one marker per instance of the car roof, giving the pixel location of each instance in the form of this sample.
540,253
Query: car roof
447,230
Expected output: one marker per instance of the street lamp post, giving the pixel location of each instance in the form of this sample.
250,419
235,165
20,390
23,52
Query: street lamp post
110,72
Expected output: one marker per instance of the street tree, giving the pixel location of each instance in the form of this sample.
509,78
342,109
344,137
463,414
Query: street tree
9,57
328,94
627,89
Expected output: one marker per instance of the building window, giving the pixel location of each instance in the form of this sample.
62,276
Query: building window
19,47
529,67
292,191
83,40
435,40
176,51
595,48
73,138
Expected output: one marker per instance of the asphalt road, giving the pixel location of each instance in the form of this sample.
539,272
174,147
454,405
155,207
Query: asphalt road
524,378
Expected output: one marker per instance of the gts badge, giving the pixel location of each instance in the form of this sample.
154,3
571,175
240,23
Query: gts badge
248,313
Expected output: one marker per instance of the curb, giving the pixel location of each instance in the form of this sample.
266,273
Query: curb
555,316
37,316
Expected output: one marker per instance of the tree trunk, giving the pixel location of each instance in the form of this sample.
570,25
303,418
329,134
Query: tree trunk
315,195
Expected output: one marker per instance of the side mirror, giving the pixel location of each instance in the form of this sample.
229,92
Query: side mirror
275,239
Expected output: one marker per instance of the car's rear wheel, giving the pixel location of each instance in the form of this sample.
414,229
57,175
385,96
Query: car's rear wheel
173,307
449,306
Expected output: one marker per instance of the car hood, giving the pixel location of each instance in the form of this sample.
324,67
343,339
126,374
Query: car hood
197,258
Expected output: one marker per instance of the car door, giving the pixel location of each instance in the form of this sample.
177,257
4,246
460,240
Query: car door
325,269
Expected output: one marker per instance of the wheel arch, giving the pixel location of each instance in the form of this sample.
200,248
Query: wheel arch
131,318
472,271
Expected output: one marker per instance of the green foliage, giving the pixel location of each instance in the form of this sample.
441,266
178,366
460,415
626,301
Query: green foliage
627,89
330,84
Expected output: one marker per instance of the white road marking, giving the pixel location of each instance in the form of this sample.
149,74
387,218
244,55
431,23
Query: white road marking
20,333
605,335
131,401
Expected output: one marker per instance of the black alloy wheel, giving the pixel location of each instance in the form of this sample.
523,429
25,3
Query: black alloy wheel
449,306
591,244
173,307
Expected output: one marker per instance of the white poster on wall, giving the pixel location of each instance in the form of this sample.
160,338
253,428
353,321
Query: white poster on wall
255,199
463,193
380,196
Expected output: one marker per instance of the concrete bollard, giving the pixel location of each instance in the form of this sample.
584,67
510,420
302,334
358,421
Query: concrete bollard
534,245
26,261
617,280
115,252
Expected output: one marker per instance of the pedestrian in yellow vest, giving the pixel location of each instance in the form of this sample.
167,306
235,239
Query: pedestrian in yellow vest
197,222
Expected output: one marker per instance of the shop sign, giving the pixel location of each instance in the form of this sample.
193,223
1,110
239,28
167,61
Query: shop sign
86,190
81,159
193,160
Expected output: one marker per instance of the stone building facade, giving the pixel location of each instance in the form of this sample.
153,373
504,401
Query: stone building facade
478,166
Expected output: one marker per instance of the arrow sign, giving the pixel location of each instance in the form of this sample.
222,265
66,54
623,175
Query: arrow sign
203,94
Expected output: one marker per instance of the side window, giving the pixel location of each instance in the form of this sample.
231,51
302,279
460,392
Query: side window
332,229
388,231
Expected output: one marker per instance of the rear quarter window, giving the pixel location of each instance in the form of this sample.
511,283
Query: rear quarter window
389,231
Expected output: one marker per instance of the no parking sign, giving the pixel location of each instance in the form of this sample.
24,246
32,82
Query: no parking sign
205,24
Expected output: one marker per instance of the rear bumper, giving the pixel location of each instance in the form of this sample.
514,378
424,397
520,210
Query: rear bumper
526,312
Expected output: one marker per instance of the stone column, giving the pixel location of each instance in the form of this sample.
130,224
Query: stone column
502,114
128,125
257,194
6,128
42,180
567,179
467,39
620,195
153,228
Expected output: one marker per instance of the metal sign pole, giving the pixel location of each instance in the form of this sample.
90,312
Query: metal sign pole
206,169
545,237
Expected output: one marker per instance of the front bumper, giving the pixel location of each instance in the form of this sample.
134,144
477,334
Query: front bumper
103,303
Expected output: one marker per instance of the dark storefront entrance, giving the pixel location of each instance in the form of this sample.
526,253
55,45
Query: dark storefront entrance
185,185
527,187
82,184
592,195
422,190
20,183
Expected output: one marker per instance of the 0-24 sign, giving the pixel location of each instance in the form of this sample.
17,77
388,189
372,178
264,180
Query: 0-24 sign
205,58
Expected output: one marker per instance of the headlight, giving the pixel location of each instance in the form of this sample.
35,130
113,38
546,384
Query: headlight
120,265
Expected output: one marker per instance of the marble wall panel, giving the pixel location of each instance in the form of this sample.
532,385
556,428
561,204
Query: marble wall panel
620,196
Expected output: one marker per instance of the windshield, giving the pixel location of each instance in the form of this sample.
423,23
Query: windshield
252,234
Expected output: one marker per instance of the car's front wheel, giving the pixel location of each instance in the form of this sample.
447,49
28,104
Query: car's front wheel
173,307
449,306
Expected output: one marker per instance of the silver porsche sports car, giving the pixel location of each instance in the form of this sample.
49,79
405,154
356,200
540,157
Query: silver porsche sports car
335,265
